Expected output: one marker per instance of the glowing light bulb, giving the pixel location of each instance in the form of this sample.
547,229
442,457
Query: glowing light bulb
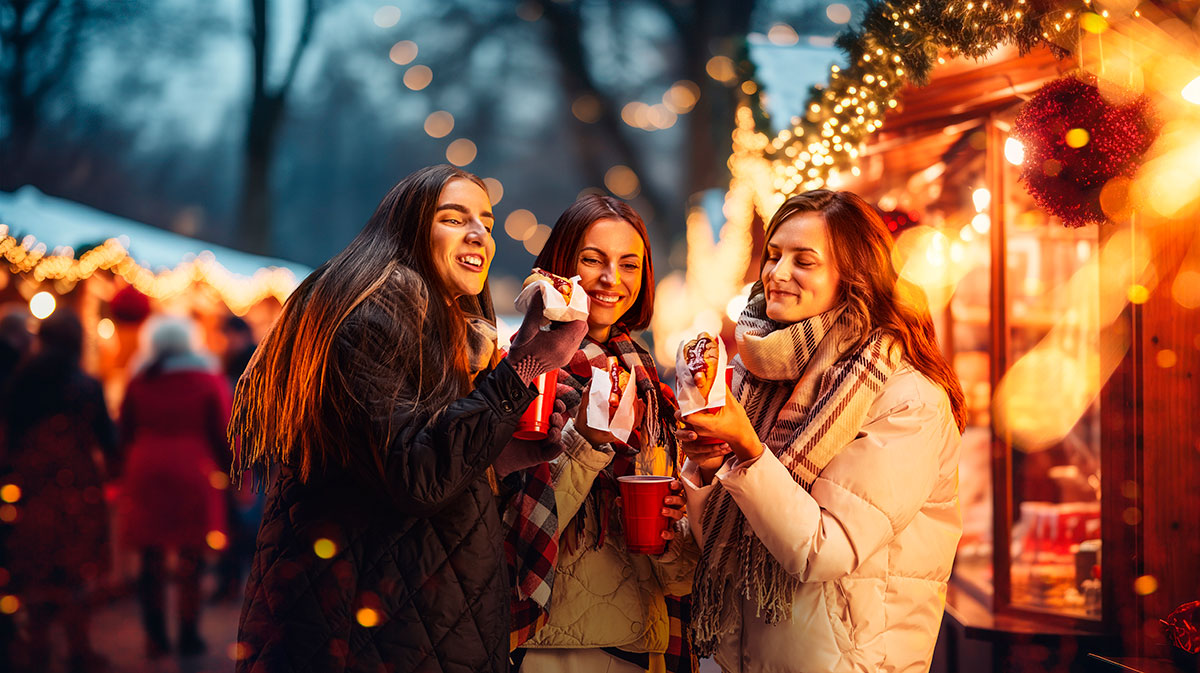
1191,92
41,305
1014,151
982,198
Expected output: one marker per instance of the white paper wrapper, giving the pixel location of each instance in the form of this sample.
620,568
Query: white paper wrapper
621,423
556,309
688,395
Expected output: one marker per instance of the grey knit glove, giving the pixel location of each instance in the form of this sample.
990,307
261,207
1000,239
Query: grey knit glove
521,454
535,351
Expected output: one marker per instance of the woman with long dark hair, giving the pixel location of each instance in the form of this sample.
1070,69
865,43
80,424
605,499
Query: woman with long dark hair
828,534
610,609
378,402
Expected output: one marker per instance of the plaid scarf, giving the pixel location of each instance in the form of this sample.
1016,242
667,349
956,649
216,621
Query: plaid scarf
531,551
535,502
807,402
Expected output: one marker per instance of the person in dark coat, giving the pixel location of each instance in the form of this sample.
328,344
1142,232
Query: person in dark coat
244,507
379,403
61,441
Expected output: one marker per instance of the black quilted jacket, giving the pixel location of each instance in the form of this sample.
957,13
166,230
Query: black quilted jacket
343,582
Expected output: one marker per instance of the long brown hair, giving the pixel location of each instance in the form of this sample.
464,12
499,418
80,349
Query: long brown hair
560,253
287,408
862,251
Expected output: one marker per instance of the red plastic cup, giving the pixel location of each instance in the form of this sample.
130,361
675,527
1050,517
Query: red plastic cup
642,497
728,391
535,422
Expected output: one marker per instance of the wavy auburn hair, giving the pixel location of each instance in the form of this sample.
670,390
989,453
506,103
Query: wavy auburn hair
870,287
560,254
289,405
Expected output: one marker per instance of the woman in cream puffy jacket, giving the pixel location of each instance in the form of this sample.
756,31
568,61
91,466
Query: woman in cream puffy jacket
829,518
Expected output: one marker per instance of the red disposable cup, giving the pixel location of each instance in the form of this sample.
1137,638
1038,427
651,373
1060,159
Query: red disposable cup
728,391
535,422
642,497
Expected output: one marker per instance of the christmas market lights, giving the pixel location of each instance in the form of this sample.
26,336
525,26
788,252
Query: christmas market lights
28,257
898,43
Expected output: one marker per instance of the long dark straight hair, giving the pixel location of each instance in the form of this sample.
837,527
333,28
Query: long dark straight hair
862,250
560,254
278,405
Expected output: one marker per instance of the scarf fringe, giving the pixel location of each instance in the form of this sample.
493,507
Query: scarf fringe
251,449
807,405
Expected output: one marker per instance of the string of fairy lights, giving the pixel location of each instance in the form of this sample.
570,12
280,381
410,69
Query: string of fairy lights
900,42
28,257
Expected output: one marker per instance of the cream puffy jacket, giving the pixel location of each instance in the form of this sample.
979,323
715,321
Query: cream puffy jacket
608,597
873,542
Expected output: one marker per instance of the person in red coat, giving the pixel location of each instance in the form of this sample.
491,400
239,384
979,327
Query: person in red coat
172,425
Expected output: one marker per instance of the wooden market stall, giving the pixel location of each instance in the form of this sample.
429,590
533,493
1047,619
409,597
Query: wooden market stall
1079,465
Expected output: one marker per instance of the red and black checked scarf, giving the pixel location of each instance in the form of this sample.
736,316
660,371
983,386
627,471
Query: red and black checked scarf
658,423
806,402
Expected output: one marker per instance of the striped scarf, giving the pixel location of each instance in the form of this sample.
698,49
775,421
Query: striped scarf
806,402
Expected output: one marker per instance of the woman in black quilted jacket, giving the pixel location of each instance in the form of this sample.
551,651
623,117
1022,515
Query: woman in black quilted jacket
377,405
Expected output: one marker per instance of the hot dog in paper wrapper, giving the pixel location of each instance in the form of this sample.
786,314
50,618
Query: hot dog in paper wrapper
601,414
564,300
704,354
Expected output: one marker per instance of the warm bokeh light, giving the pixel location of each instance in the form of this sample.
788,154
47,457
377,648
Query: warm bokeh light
782,35
237,651
216,540
1145,585
1186,288
10,493
981,223
520,224
461,152
838,13
324,547
387,16
41,305
218,480
1138,294
439,124
733,310
1191,92
622,181
682,96
720,68
9,604
8,513
1166,358
925,258
537,239
105,329
1014,151
403,52
586,108
495,190
418,77
1093,23
367,617
1078,138
982,198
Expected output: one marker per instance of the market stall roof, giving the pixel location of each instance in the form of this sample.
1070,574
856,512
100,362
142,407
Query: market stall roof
959,95
59,222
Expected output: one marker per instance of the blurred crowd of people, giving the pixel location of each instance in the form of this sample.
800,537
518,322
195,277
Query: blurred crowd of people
147,486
